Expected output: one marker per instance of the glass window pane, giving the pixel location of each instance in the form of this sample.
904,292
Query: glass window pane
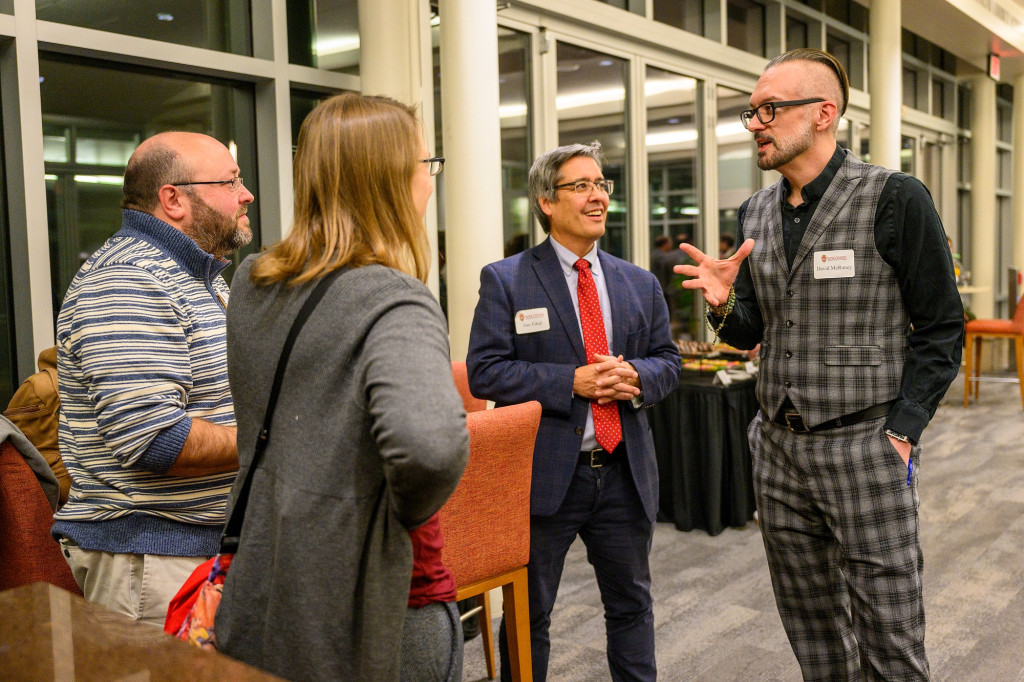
223,25
963,174
1004,169
591,103
1004,256
909,87
439,181
673,159
939,87
516,145
858,17
685,14
746,24
908,146
838,9
839,47
738,175
324,34
963,95
84,182
635,6
1004,121
55,144
302,103
9,379
963,240
796,33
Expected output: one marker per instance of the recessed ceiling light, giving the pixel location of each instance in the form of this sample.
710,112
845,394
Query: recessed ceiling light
164,16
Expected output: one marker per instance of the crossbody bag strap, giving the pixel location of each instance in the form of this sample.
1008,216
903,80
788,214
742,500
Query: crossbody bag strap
233,527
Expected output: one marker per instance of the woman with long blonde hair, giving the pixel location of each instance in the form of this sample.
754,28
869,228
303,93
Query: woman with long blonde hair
338,573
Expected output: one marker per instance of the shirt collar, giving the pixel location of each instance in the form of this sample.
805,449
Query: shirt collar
567,259
173,242
815,189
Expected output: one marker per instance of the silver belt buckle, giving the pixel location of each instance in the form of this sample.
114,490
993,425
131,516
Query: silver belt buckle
795,422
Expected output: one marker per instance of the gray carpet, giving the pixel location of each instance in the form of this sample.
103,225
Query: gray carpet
714,610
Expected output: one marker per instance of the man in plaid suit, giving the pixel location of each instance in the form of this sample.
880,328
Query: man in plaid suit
846,281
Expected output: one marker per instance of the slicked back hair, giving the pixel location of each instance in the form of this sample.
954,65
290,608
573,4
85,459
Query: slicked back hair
809,54
544,174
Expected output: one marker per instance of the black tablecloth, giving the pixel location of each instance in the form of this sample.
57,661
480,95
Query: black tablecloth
700,436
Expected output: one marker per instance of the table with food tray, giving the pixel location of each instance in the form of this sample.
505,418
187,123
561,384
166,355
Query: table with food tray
700,437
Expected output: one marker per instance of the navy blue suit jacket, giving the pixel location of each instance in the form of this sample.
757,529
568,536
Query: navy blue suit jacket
512,368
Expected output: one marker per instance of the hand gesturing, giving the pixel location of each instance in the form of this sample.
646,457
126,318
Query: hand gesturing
712,276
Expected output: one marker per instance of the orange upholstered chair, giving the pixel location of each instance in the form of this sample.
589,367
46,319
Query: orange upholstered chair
486,524
469,401
976,331
28,553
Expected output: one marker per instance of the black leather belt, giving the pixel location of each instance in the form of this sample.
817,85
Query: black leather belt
795,422
597,458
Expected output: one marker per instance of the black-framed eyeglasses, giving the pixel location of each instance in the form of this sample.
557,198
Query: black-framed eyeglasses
766,112
586,186
234,183
435,164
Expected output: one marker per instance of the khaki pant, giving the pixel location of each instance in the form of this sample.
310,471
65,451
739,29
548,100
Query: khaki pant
138,585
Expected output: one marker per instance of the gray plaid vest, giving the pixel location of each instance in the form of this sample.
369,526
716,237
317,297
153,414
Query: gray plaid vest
834,345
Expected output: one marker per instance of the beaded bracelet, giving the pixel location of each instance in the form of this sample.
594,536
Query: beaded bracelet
721,311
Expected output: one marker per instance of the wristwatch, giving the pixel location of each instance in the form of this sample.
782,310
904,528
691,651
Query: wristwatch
898,436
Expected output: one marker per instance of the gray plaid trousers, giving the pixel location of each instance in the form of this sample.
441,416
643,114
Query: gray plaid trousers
840,529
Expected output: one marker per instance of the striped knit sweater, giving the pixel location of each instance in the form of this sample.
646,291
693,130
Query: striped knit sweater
140,352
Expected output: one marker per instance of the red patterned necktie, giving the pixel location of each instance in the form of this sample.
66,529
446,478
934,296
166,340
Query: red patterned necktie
607,426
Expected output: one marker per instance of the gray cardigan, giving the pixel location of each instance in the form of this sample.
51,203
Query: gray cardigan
368,440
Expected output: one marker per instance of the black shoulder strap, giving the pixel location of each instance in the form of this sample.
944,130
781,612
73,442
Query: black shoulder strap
233,527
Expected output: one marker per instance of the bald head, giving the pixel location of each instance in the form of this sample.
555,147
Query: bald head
164,159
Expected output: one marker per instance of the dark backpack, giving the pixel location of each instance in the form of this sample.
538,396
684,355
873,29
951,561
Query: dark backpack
34,408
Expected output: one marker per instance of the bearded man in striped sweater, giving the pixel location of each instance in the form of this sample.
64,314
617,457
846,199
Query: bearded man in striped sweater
147,426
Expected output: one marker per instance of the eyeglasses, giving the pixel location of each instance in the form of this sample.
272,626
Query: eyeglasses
435,164
766,112
586,186
234,183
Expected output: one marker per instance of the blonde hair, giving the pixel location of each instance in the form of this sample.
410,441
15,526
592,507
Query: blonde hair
353,172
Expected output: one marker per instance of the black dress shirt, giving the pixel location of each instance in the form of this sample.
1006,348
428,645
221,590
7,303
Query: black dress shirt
910,238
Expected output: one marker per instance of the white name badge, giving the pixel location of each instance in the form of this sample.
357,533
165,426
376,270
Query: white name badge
830,264
532,321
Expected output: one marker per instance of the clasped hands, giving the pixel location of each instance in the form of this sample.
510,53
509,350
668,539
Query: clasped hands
606,379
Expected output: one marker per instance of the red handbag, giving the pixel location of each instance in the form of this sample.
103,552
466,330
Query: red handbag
191,612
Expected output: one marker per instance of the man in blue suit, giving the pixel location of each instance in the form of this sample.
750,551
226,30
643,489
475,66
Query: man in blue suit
587,335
